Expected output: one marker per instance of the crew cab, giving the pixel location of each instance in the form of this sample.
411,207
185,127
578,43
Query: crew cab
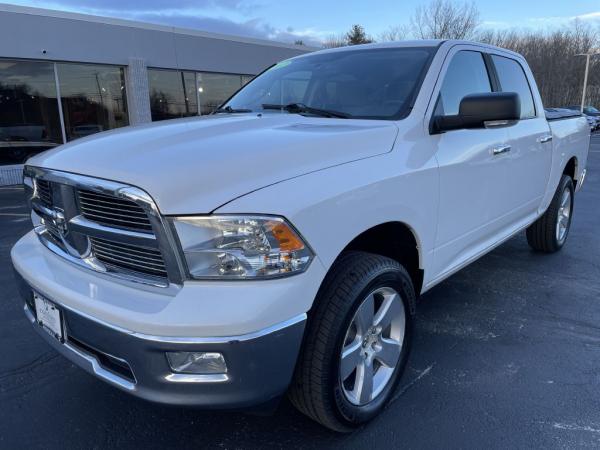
280,245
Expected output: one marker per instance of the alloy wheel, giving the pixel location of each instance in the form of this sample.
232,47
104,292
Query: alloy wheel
564,217
372,346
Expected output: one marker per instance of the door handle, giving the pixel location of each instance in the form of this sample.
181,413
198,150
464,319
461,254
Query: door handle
544,139
501,149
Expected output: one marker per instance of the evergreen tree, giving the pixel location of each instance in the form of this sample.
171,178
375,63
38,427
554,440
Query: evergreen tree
357,35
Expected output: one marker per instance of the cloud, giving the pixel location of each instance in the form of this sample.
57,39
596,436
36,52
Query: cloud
543,22
496,24
589,16
593,17
255,27
235,17
149,5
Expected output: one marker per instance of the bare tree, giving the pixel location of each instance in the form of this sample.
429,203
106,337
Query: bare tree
335,40
551,57
394,33
445,19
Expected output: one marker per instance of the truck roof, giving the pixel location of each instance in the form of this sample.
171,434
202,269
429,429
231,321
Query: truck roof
417,43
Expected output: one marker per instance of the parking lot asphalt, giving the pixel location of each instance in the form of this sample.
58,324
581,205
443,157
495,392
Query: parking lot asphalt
507,355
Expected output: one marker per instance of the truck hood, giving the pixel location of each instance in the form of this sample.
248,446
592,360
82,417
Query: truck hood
193,166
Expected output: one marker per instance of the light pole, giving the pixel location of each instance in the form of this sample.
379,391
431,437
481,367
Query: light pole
592,52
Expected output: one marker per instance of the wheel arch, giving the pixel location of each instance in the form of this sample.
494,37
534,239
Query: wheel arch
396,240
571,169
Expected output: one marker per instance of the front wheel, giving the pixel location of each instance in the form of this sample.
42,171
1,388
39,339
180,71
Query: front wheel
549,233
357,342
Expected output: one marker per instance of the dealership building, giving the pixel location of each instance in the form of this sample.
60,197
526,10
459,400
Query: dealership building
64,76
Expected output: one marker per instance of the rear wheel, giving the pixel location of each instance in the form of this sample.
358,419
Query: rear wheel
549,233
357,342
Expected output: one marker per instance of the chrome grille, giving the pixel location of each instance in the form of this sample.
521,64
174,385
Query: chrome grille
112,211
135,258
53,230
104,226
44,192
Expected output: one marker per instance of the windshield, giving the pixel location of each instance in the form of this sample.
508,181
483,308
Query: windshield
366,84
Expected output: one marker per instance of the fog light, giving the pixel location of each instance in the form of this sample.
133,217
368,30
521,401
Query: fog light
197,362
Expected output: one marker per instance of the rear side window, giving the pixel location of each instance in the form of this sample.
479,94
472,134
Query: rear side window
512,79
466,75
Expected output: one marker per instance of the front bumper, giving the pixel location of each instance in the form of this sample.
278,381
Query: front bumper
260,365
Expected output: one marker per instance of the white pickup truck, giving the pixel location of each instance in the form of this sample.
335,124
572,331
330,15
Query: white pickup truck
280,244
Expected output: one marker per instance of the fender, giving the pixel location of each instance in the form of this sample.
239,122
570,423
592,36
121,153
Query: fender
330,215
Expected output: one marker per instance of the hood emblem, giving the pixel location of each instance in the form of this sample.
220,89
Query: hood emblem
58,221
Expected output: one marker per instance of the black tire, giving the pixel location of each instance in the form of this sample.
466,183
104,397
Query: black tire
316,389
542,234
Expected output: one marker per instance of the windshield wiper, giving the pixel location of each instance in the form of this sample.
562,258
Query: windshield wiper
302,108
230,110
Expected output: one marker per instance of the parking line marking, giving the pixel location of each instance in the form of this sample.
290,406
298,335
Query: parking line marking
575,427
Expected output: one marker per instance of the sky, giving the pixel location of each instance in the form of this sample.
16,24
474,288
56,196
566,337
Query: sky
313,21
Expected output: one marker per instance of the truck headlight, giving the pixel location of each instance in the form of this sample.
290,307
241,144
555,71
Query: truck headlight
241,247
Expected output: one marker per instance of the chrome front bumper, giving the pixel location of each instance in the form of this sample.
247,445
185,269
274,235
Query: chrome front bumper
260,365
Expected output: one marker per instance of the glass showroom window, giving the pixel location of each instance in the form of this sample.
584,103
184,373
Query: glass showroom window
93,98
29,119
172,94
246,79
215,88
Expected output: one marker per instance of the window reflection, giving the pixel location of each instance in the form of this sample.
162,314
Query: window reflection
215,88
29,120
93,98
172,94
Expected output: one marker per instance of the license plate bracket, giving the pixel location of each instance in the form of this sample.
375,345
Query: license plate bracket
49,316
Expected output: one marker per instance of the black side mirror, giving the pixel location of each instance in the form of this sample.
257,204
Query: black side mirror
477,109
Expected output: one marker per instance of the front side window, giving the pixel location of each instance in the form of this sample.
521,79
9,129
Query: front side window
172,94
466,75
29,119
512,79
367,84
93,98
